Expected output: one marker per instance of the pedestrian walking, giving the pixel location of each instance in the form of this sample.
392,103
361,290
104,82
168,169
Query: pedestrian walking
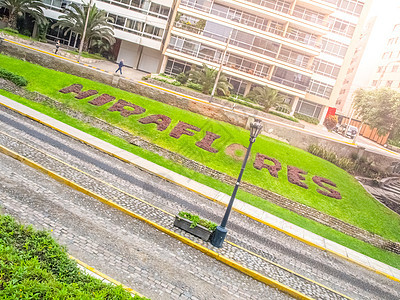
120,65
57,46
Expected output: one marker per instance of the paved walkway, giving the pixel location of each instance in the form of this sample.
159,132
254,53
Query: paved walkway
244,208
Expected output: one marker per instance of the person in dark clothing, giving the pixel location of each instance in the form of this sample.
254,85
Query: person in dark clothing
120,65
57,46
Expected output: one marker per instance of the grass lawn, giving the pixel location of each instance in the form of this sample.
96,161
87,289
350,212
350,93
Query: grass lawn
34,266
355,207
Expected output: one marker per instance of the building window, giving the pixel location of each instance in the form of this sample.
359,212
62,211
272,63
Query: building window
320,89
291,79
353,7
395,68
389,83
175,66
341,27
326,68
374,82
308,108
334,48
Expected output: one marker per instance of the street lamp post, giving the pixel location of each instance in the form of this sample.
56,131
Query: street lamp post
220,233
84,31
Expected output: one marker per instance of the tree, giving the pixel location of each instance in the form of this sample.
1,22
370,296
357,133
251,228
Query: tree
379,108
206,77
266,97
98,28
20,8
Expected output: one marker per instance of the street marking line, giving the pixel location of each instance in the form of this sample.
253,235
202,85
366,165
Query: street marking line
199,193
112,280
205,250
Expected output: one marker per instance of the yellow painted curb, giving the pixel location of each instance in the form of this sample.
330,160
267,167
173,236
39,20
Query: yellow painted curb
112,280
187,241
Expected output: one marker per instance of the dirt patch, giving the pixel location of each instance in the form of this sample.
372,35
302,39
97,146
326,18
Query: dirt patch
233,149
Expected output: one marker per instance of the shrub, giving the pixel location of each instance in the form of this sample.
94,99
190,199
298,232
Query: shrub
182,78
283,116
330,122
146,77
32,263
195,86
176,83
196,220
16,79
306,118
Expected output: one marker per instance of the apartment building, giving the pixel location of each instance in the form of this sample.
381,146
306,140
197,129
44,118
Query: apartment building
388,70
140,28
299,47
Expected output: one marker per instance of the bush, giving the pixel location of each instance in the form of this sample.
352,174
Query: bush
146,77
32,263
330,122
176,83
353,165
195,86
182,78
308,119
16,79
283,116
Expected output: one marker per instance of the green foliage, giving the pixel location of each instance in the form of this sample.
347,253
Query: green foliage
176,83
146,77
182,78
395,143
353,165
10,30
196,220
98,26
266,97
283,116
206,77
195,86
379,108
34,266
16,79
308,119
21,8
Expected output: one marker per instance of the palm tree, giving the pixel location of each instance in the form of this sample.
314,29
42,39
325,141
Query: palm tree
20,8
266,97
98,27
206,77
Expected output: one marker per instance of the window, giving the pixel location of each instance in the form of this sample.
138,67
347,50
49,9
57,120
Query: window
290,78
334,48
308,108
389,83
320,89
374,82
353,7
326,68
395,68
341,27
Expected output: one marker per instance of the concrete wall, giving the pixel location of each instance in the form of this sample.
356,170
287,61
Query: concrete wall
293,136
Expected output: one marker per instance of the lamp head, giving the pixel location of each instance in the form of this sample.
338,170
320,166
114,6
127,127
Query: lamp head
255,129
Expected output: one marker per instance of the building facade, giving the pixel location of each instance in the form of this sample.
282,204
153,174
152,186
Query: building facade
140,28
299,47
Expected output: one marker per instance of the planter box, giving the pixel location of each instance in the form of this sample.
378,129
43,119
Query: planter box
198,231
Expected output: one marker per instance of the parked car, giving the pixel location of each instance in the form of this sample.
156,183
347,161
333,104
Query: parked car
351,132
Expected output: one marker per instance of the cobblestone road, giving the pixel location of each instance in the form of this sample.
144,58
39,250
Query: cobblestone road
322,267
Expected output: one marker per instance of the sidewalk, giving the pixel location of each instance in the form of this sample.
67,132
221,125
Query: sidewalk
210,193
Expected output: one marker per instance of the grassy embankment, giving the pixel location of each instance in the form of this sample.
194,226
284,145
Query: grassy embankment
356,206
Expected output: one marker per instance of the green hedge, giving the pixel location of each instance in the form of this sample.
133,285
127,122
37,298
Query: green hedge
308,119
34,266
18,80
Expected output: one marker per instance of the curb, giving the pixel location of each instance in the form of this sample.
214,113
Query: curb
105,277
211,253
208,197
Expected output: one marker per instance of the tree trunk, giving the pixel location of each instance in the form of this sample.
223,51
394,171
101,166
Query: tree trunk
12,21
